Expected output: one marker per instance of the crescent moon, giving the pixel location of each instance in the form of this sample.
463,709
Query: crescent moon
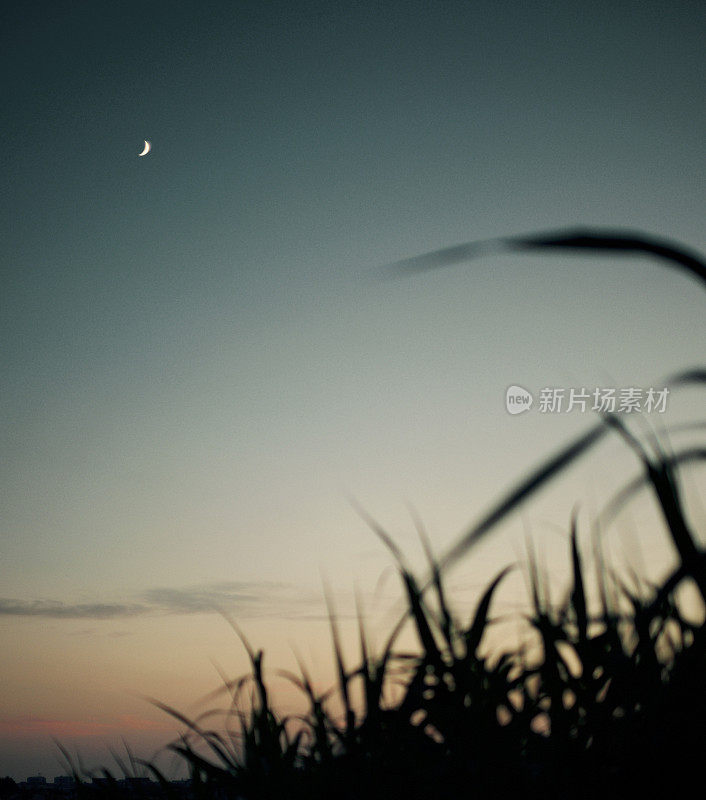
148,147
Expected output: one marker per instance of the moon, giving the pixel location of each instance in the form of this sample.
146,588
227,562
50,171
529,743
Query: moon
148,147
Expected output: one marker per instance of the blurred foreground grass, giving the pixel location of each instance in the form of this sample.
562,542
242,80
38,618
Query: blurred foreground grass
606,698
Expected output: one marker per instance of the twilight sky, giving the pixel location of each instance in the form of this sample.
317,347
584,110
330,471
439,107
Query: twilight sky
204,357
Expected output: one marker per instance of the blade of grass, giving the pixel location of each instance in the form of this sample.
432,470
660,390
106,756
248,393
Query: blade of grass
474,633
525,489
446,623
578,595
611,241
662,478
343,676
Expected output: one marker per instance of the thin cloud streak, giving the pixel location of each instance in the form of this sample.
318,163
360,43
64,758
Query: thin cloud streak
246,599
54,609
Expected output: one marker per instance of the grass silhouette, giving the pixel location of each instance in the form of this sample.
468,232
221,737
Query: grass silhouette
611,700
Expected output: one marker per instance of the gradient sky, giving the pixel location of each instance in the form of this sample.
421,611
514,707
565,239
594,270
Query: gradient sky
204,357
